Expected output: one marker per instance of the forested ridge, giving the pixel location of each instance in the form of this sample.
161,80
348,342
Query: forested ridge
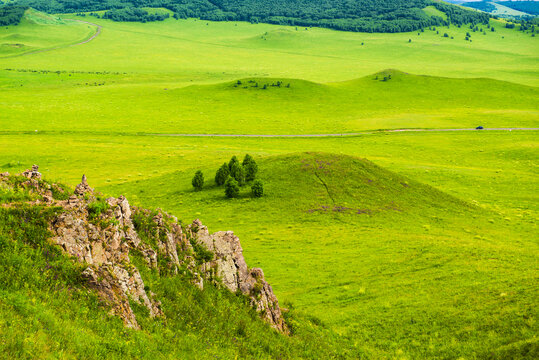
11,14
347,15
530,7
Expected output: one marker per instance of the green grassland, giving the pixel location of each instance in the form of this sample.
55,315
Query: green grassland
427,249
413,254
403,101
38,31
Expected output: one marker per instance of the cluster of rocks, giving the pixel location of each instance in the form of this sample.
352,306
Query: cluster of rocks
103,242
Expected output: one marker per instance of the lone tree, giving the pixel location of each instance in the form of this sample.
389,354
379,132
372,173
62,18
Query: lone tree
257,189
251,168
198,180
232,190
222,174
233,160
238,173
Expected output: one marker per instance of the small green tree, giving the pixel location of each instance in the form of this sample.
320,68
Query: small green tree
247,159
198,180
250,171
250,166
233,160
222,174
238,173
257,189
232,190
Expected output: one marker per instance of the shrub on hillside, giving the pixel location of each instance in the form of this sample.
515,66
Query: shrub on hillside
222,174
238,173
232,189
233,160
251,168
250,171
198,180
257,189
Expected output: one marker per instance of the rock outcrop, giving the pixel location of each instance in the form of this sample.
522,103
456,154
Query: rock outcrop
101,233
32,173
229,264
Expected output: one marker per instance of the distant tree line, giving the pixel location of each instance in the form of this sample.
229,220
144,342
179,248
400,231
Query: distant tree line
358,15
133,14
480,5
11,14
530,7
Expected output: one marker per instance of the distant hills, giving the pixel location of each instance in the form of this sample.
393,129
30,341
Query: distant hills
360,15
503,8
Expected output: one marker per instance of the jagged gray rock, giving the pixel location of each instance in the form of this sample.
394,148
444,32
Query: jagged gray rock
231,268
102,240
32,173
106,252
83,187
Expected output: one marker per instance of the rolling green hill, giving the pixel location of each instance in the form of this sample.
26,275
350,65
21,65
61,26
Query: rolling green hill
381,239
38,31
426,250
386,100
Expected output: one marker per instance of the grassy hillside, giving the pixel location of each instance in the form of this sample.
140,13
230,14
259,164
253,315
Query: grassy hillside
435,257
47,310
370,269
38,31
395,254
386,100
388,247
225,51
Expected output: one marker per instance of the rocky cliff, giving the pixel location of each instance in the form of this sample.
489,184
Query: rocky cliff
103,233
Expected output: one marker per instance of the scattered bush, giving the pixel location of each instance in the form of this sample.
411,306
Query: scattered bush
251,168
232,189
257,189
233,160
238,173
198,180
222,174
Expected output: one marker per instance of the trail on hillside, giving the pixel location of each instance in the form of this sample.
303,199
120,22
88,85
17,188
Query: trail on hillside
344,134
96,34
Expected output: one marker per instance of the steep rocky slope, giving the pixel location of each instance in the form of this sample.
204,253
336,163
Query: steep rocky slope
103,233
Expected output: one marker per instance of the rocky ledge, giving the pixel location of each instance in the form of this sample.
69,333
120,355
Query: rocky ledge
101,234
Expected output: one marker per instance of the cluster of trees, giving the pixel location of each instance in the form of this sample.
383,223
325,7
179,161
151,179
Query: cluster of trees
234,175
460,16
133,14
11,14
358,15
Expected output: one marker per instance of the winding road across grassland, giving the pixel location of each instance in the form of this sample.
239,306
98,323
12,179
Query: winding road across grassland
96,34
344,134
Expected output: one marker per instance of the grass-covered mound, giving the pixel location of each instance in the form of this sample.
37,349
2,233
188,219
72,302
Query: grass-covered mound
399,266
37,31
257,105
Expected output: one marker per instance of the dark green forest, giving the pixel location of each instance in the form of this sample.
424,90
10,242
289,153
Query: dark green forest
530,7
347,15
480,5
11,14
